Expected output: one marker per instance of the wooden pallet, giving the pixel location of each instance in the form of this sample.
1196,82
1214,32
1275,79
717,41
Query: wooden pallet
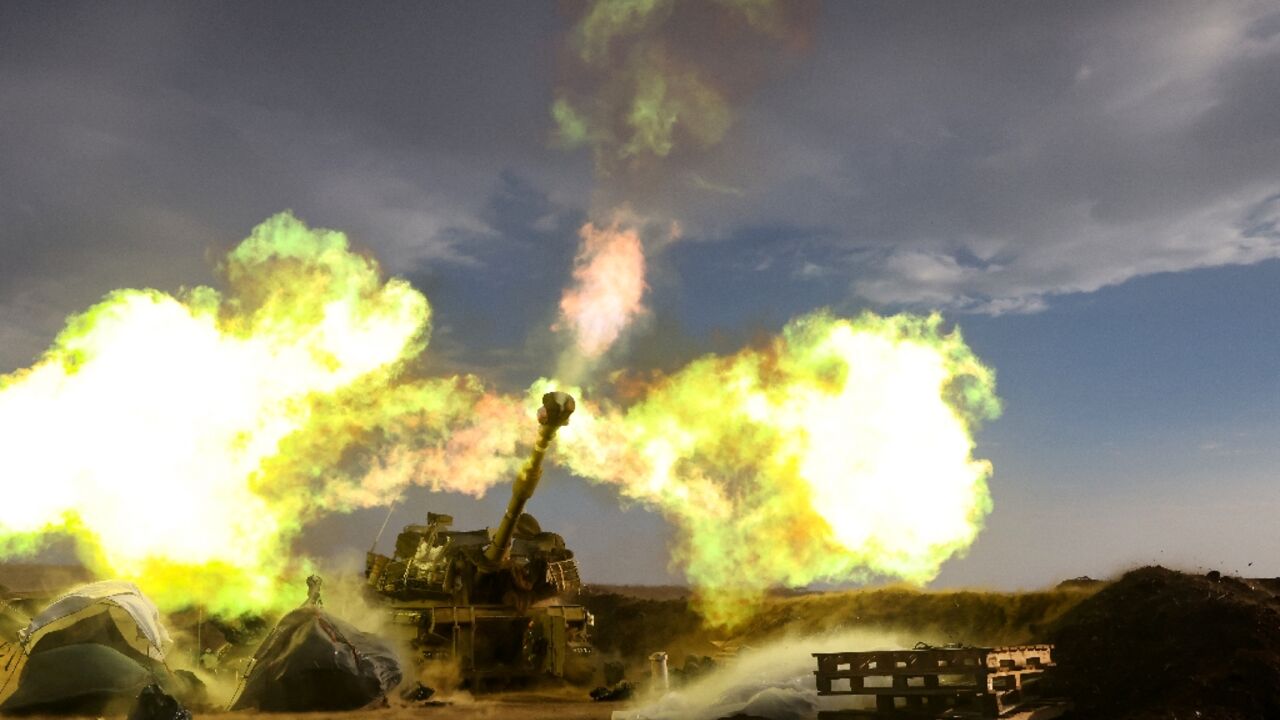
953,682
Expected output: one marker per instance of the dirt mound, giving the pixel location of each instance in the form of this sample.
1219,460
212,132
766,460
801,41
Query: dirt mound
1163,644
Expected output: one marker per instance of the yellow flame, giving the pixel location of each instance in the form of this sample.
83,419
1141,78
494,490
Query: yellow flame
184,440
144,428
363,445
841,451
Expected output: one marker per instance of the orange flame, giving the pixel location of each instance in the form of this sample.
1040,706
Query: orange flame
609,286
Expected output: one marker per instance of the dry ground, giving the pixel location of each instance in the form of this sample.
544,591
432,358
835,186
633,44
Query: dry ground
506,708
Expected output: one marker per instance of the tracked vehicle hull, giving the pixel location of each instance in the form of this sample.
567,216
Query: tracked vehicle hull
489,601
497,646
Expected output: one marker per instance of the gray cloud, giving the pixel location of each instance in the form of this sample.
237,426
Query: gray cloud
965,155
139,141
979,156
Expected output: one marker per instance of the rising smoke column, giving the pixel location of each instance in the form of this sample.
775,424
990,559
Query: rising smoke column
839,451
184,440
642,77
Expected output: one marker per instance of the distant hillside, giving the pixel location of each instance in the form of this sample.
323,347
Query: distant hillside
642,592
41,579
631,625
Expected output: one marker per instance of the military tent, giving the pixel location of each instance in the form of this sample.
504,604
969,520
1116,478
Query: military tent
97,643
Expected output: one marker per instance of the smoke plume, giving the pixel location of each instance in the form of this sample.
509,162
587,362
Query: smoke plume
775,680
839,451
644,77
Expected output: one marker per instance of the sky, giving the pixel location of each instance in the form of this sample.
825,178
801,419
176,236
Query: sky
1090,191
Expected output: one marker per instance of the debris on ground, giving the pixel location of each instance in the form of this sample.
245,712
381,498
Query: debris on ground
155,704
621,690
417,693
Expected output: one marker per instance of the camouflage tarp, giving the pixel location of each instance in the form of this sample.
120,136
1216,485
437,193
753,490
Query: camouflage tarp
315,661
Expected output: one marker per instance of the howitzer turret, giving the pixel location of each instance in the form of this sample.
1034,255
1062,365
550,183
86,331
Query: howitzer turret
486,597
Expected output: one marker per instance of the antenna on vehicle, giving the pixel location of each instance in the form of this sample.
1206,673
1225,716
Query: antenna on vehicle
390,509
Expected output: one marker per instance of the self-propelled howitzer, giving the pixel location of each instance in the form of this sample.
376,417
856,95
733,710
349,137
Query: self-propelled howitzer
489,599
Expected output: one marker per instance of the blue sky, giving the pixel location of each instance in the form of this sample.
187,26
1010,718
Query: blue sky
1090,190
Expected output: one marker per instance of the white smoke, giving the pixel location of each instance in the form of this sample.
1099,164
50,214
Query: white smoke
775,681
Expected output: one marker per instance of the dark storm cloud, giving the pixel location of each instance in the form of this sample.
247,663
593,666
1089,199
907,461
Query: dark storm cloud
986,156
139,140
964,155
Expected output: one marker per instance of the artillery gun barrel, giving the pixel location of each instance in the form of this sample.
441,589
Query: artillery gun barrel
554,414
